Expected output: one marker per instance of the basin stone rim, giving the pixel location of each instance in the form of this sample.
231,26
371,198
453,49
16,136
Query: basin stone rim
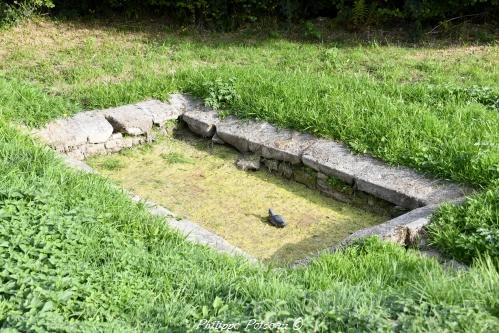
109,131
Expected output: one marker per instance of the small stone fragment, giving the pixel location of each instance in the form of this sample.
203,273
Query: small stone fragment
216,139
248,163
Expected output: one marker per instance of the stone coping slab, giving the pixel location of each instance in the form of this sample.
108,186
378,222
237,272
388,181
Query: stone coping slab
110,130
85,127
399,185
160,112
192,231
130,119
264,139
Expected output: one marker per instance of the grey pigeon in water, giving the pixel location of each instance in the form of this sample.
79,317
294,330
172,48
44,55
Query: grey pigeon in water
276,220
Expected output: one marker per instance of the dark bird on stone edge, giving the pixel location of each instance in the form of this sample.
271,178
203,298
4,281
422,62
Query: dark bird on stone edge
276,220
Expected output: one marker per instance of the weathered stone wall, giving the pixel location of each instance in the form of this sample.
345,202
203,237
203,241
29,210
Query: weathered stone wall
109,131
332,187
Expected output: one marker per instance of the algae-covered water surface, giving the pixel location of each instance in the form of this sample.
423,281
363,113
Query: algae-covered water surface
199,181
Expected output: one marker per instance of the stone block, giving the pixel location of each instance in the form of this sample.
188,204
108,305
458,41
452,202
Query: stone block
305,176
201,122
95,149
271,165
160,112
129,119
285,170
114,146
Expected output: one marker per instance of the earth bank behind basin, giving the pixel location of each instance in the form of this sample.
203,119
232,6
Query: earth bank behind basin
198,180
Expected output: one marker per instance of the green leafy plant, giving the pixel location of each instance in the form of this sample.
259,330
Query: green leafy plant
13,11
221,94
311,31
339,185
359,12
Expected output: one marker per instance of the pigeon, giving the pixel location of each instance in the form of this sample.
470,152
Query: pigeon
276,220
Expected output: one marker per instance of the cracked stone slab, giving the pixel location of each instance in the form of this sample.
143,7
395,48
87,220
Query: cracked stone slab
129,119
404,229
94,125
203,122
85,127
401,230
264,139
160,112
399,185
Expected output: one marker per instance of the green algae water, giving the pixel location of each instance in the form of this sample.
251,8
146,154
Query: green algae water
198,180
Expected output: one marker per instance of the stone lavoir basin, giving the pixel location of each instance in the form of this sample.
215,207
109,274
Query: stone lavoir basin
181,156
199,181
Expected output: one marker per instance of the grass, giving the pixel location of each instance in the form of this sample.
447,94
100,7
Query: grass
112,164
175,157
200,181
77,255
415,109
470,230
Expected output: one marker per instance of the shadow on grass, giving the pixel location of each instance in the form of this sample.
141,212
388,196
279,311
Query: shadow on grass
331,34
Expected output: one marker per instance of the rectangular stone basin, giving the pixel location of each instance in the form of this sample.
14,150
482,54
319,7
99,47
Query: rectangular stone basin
198,180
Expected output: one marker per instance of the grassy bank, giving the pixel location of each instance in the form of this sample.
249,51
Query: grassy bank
433,108
76,255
